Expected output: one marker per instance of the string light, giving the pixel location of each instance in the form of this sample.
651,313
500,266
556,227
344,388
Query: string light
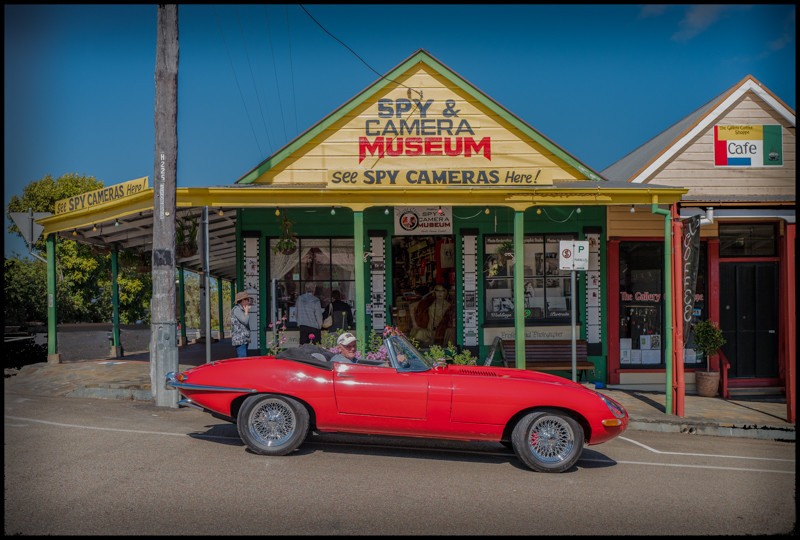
440,211
538,210
578,210
116,223
221,213
277,211
486,211
633,210
386,211
94,227
333,211
74,232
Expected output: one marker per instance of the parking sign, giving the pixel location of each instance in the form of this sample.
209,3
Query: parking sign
573,255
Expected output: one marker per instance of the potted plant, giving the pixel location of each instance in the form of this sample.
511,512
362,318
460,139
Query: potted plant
287,243
503,253
707,339
186,236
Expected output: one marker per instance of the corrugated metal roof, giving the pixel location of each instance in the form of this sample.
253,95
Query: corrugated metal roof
624,169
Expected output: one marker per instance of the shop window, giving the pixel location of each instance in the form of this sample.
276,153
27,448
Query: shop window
327,262
747,240
641,304
547,289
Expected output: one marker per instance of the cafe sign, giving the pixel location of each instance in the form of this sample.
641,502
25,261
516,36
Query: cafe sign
97,197
748,146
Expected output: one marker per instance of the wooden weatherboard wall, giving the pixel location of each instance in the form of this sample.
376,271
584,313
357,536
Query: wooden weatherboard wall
420,126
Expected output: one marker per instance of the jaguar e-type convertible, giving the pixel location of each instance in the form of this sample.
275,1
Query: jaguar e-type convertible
275,401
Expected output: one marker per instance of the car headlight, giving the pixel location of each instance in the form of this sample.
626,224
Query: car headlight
615,408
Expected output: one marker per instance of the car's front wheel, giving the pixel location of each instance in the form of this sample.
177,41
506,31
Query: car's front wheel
548,441
272,425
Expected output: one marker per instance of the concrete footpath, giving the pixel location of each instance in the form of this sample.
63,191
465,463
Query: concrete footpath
129,378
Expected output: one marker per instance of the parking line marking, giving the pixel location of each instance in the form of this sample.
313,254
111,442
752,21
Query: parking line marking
701,455
117,429
684,466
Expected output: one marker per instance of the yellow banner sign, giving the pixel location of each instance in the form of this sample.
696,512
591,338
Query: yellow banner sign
101,196
506,177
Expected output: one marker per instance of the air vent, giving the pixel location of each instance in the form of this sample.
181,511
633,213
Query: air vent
481,372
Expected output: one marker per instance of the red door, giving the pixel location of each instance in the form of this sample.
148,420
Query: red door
380,391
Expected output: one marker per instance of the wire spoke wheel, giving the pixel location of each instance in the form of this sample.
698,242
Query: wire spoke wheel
272,425
551,439
548,441
272,422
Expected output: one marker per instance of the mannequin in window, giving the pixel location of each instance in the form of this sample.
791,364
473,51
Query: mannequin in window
433,316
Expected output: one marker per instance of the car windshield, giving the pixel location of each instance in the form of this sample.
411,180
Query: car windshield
406,356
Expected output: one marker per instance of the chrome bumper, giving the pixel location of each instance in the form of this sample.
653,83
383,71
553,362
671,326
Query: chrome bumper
172,382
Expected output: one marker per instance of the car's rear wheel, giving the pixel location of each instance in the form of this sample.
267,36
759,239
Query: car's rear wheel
548,441
272,425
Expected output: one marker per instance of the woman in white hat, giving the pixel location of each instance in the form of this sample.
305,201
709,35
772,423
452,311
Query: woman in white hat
240,323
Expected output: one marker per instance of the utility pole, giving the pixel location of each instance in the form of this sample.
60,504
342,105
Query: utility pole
163,326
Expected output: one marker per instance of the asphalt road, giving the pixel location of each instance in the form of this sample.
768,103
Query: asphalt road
93,466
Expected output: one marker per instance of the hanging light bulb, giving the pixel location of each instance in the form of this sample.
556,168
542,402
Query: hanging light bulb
74,232
333,211
386,211
116,223
578,210
486,211
538,210
633,210
94,227
221,213
440,211
277,211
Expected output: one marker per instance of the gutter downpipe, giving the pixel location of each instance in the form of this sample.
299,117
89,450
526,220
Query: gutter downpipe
678,288
667,299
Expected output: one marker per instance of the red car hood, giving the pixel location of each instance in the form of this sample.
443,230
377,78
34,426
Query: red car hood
481,371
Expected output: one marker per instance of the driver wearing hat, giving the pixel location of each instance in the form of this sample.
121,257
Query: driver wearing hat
347,349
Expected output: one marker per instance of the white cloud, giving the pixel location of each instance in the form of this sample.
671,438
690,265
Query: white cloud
697,20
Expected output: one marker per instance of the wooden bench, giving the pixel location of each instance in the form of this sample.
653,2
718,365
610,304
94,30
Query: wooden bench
544,355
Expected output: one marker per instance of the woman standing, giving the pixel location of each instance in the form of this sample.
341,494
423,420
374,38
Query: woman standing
240,324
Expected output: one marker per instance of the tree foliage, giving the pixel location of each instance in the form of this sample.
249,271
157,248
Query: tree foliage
83,279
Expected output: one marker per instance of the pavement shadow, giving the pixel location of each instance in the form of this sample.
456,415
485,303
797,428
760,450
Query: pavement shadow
644,399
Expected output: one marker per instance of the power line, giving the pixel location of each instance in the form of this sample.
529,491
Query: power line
291,70
253,80
275,71
356,55
260,152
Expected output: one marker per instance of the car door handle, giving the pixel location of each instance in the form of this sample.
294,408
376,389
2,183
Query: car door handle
345,375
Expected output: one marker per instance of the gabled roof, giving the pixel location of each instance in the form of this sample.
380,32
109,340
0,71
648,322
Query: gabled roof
641,164
420,56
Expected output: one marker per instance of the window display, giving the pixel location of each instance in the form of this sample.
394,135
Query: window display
640,306
546,288
328,262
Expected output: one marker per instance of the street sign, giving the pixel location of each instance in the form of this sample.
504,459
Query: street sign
26,223
573,255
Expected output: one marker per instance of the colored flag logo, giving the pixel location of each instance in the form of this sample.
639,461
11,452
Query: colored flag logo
748,146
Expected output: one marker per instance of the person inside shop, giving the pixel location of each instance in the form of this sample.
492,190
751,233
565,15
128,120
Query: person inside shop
340,312
433,316
309,315
240,323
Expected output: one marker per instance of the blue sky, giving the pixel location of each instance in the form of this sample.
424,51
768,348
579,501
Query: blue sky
597,80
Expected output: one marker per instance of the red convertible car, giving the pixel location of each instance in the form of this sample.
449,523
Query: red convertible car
276,400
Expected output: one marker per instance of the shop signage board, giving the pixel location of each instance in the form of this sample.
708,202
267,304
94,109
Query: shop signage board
748,146
422,220
90,199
